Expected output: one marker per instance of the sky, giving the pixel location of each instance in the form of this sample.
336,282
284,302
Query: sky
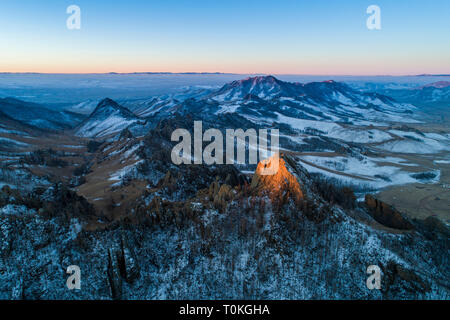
321,37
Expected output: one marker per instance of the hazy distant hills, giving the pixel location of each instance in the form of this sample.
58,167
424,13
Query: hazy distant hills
438,85
433,96
38,115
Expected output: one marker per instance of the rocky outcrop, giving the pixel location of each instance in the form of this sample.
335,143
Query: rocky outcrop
114,277
129,266
386,214
122,265
402,282
280,186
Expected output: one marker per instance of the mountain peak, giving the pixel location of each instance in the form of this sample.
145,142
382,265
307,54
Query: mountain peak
264,87
107,102
268,78
107,106
109,117
257,80
279,186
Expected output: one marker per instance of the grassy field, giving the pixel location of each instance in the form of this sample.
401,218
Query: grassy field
422,200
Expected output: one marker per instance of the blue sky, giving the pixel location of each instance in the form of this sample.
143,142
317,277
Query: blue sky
278,37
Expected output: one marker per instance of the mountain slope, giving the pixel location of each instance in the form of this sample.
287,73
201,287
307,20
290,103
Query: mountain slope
108,118
84,108
37,115
198,234
150,107
9,125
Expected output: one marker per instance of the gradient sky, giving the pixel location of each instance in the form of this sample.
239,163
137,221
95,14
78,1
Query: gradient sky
245,36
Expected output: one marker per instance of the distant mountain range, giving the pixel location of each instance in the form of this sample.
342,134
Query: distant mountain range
261,99
267,98
433,96
264,99
433,75
438,84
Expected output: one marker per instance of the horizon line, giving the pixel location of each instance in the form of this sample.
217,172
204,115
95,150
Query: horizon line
225,73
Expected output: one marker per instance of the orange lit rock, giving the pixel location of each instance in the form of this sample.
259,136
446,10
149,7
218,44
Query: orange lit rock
279,186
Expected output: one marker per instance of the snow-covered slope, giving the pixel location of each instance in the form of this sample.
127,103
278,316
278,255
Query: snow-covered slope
108,118
149,107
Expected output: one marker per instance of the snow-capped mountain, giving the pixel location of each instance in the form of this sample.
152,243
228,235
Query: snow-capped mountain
265,98
264,87
269,87
108,118
38,115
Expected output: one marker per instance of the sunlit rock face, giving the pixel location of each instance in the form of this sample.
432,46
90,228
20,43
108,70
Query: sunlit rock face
279,186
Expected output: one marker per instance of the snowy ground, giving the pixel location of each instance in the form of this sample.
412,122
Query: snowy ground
372,173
